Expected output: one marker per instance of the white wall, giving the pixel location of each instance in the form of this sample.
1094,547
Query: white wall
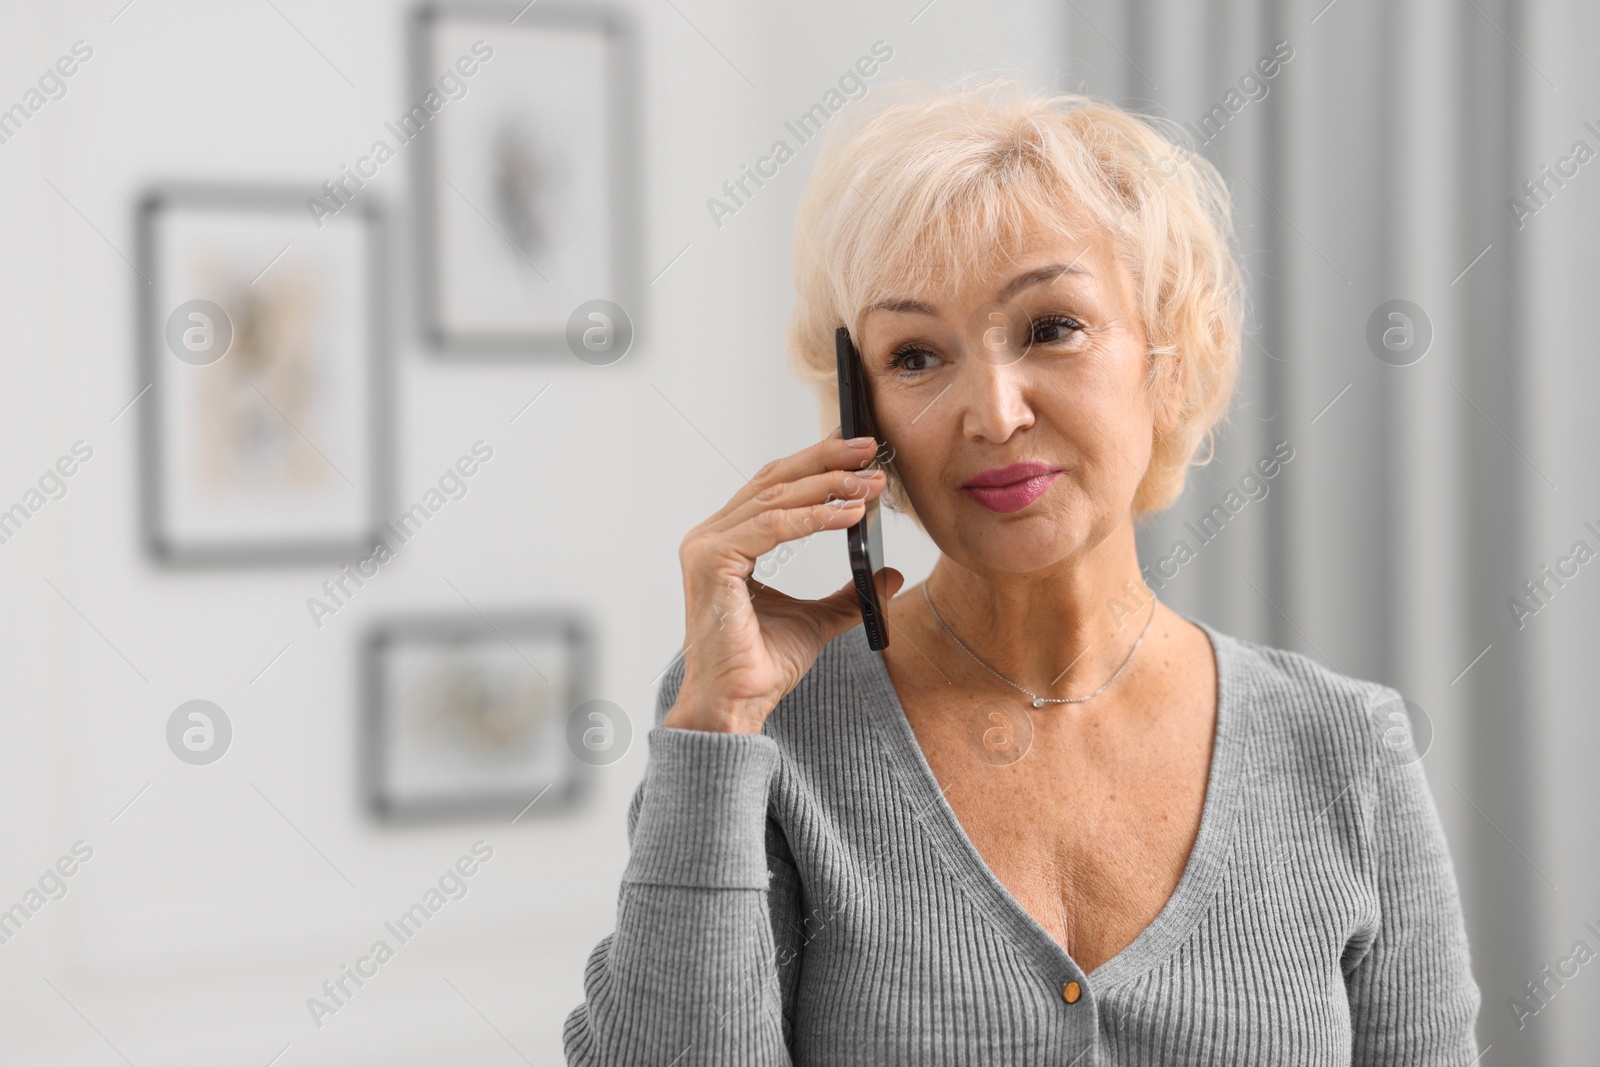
204,919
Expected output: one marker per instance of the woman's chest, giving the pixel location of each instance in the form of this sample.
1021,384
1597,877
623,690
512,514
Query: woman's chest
1090,829
909,960
913,964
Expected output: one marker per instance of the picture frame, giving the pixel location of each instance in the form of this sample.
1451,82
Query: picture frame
265,435
525,192
468,716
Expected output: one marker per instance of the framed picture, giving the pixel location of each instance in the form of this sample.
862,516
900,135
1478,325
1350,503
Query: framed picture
264,434
524,164
473,716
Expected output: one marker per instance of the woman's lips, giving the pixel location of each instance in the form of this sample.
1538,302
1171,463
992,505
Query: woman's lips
1013,497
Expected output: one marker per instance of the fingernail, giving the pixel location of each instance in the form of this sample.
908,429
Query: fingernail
861,442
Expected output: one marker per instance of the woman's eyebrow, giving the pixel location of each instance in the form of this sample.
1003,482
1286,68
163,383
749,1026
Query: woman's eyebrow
1037,275
916,307
1010,289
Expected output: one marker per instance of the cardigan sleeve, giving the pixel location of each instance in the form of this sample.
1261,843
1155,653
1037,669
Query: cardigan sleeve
1413,999
702,965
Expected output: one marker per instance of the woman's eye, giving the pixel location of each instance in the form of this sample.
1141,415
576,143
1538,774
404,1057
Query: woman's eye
1053,328
910,359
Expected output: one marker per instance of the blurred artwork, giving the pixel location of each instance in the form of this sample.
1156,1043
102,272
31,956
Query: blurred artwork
266,447
468,717
246,412
525,197
468,706
523,179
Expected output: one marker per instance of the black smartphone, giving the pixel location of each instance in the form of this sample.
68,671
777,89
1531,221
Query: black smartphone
864,538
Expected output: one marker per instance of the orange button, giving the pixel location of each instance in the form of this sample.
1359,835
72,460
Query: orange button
1070,992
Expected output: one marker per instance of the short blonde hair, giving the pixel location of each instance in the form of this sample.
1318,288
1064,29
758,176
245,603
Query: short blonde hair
916,179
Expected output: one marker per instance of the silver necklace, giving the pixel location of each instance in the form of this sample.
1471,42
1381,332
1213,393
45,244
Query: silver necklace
1039,701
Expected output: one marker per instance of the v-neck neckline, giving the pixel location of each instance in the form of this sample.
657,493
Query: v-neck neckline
1205,864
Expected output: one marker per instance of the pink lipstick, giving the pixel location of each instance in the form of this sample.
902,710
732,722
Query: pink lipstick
1012,487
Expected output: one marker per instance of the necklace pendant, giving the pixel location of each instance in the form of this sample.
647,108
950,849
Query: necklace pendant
1038,702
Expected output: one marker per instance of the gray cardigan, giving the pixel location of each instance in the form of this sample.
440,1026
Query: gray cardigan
806,896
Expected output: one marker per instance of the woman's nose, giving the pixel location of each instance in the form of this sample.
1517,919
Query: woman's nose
993,396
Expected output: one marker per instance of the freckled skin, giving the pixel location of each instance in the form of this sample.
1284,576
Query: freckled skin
1091,830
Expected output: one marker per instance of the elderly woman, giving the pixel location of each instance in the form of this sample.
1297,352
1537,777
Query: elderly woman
1055,821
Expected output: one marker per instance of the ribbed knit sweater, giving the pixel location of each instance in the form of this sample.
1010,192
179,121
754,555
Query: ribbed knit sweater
807,896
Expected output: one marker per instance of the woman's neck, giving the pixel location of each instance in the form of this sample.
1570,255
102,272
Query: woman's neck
1058,634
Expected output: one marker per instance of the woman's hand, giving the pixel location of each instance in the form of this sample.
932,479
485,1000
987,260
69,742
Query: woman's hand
747,644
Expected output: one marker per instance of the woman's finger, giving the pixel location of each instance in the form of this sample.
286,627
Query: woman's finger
738,547
830,453
811,489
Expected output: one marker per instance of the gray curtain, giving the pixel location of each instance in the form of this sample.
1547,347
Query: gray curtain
1375,166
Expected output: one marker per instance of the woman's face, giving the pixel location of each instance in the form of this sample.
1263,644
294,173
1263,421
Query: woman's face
1040,360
